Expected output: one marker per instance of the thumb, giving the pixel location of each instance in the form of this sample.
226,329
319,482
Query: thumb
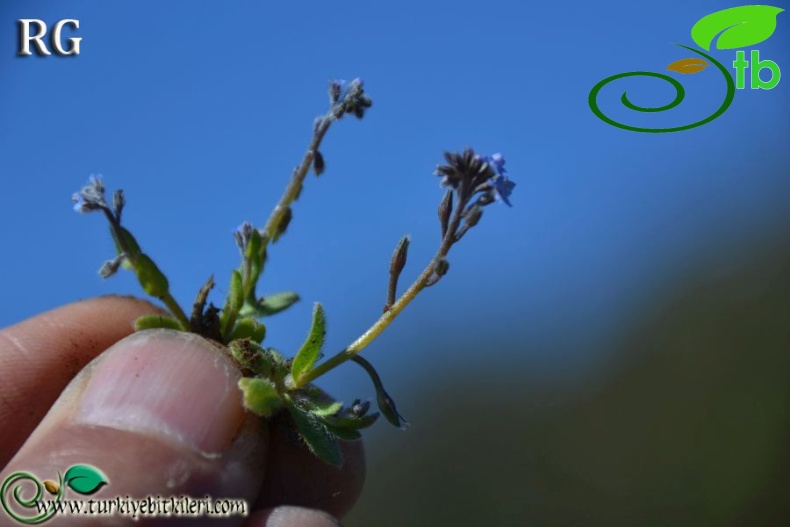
160,414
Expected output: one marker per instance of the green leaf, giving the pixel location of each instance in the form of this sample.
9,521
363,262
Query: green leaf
270,305
260,395
350,423
385,402
132,247
262,361
251,356
317,402
154,282
248,328
84,479
156,322
346,434
311,349
277,302
234,301
741,26
255,258
317,436
327,408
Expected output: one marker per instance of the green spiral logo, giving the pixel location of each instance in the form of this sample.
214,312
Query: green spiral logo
735,27
16,481
82,479
680,94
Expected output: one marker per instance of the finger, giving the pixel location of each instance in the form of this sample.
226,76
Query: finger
159,413
290,516
294,476
38,358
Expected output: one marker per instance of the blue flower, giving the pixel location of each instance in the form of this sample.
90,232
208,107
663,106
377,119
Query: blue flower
79,203
91,196
500,182
242,235
504,187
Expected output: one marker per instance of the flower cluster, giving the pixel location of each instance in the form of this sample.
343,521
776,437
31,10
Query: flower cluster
272,384
349,97
470,174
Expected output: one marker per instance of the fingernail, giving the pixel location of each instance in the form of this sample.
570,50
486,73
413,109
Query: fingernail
169,384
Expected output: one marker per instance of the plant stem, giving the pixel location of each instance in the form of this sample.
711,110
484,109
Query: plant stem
295,185
395,309
167,298
176,310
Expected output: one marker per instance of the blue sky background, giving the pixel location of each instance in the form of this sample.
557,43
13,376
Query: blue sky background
200,112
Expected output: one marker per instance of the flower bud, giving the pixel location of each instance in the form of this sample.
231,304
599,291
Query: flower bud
442,266
473,215
398,260
318,163
445,209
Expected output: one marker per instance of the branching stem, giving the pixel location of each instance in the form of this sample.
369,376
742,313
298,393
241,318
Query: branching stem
395,309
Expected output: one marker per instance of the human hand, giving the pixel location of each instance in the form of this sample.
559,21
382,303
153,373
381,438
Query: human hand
159,413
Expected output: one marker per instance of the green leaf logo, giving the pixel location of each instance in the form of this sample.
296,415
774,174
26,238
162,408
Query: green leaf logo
741,26
84,479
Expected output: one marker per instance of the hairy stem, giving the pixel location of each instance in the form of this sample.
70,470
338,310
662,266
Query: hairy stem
176,310
395,309
295,185
167,299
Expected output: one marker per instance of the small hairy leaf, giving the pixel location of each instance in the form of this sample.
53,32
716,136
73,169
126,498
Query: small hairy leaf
346,434
740,27
234,301
260,395
317,402
248,328
327,409
129,242
317,436
270,305
311,349
84,479
133,249
253,255
154,282
156,322
252,356
350,423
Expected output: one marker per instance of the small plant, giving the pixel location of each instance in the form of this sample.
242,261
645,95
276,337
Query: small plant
273,383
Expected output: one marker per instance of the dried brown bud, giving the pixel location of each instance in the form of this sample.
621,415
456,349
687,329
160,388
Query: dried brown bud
283,225
318,163
398,260
445,209
442,266
397,263
473,215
